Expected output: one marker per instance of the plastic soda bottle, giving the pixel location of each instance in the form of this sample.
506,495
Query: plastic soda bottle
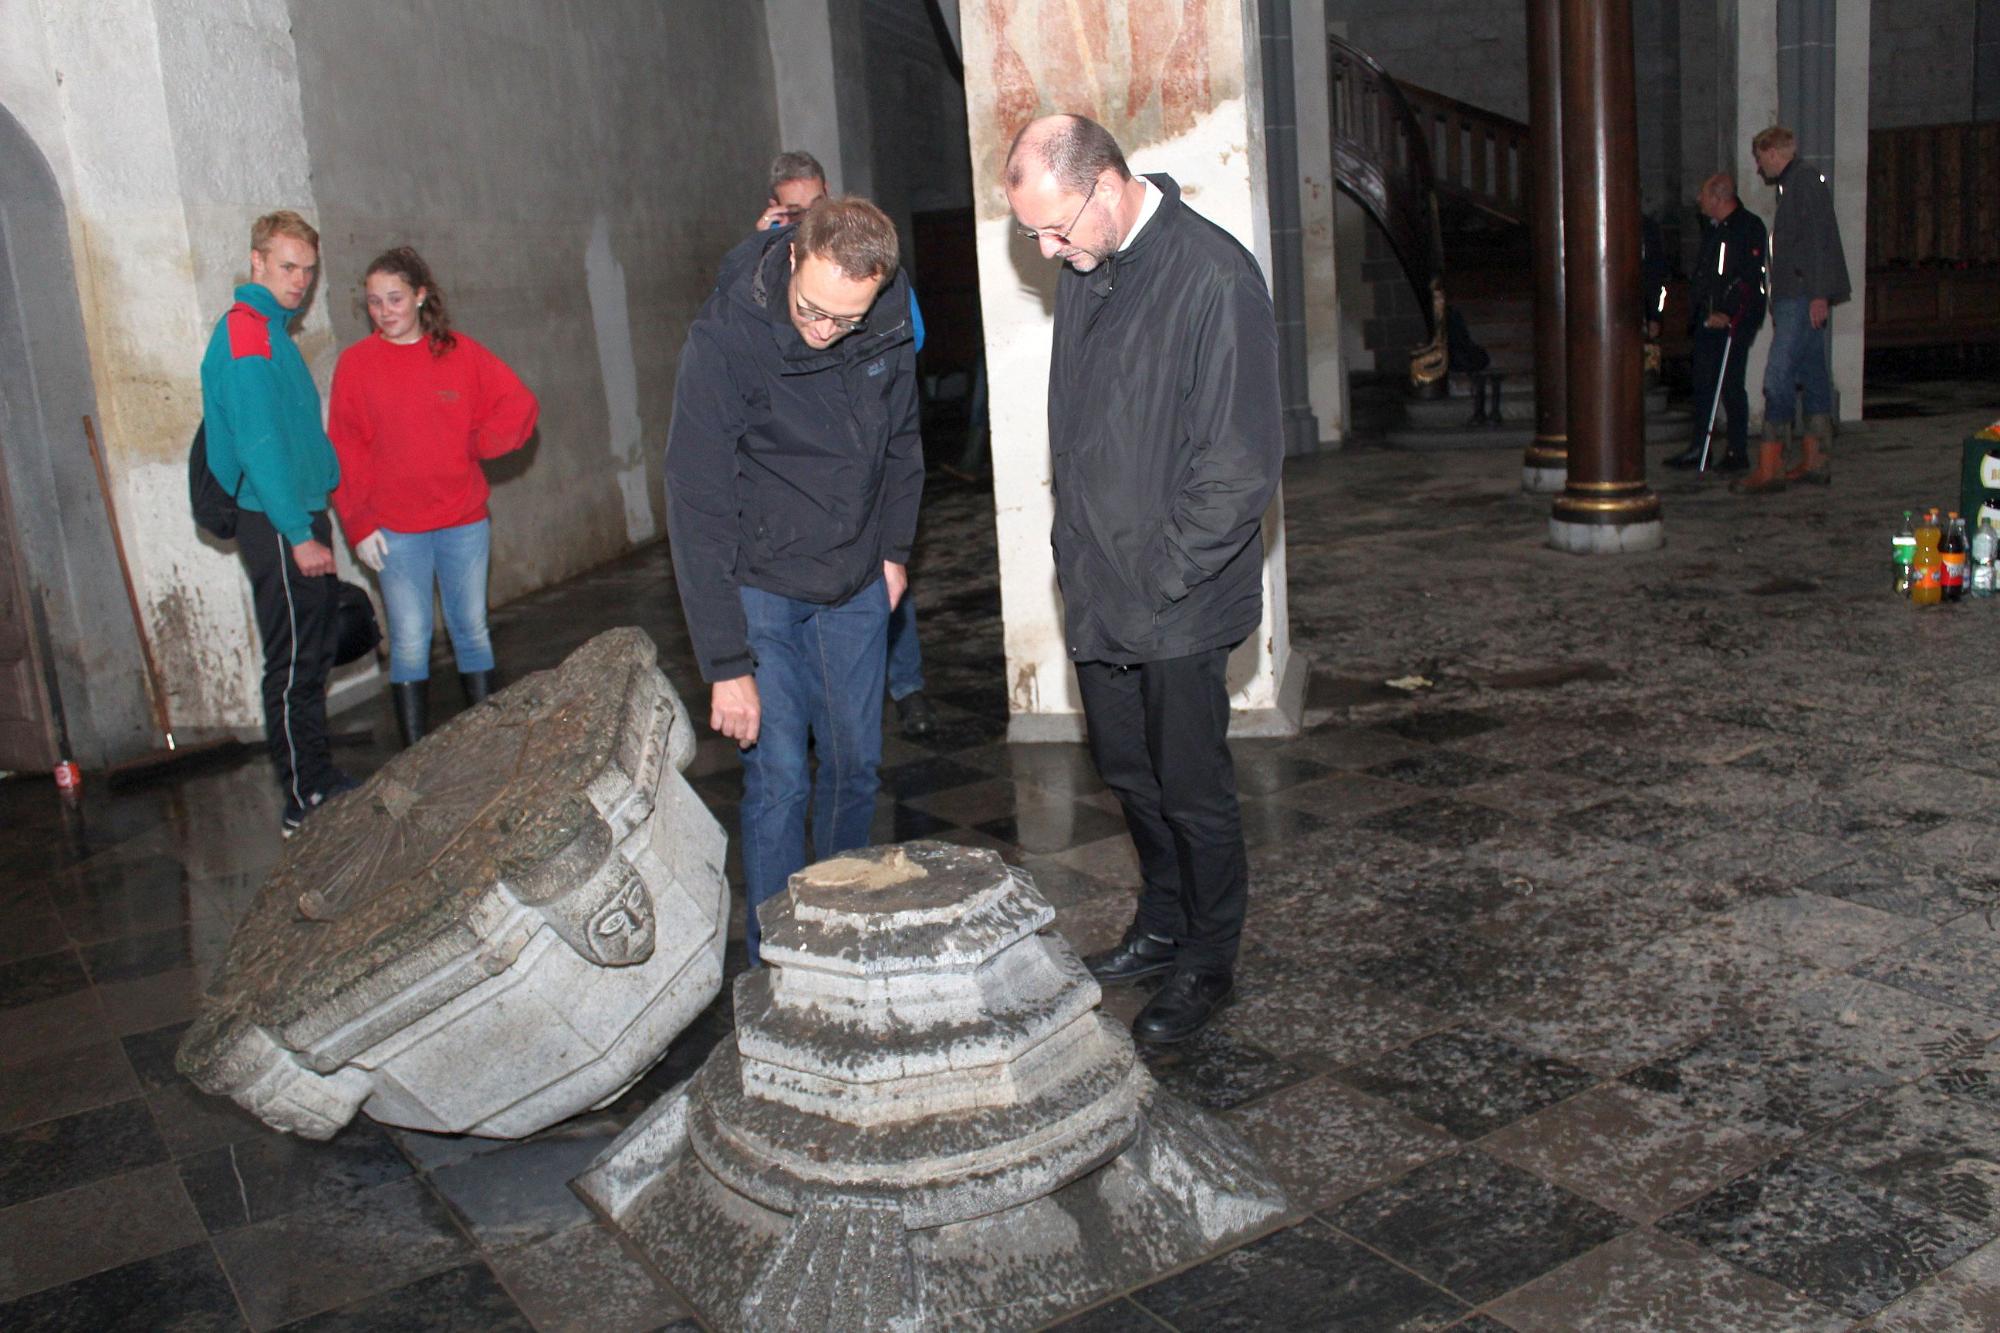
1952,551
1927,571
1985,545
1902,554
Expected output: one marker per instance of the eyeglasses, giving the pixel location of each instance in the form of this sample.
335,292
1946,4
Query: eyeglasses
817,316
1059,237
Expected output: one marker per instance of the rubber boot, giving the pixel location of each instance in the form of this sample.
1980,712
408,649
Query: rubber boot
412,709
1769,474
478,684
1814,465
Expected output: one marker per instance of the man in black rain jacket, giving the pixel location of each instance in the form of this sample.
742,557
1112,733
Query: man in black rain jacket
1165,444
1726,307
794,468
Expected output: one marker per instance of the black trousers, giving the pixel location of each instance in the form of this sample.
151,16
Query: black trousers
298,622
1708,368
1158,733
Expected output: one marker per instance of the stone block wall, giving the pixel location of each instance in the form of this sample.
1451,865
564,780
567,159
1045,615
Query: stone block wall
1474,50
1922,62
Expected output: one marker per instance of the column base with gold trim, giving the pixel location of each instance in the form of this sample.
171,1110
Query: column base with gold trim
1605,518
1545,465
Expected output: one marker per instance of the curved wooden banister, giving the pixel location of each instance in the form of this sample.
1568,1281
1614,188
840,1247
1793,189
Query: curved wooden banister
1382,157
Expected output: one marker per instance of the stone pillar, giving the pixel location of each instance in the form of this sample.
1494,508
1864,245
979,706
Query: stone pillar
1326,363
1183,94
1545,466
1285,268
819,64
1747,101
1605,504
1849,179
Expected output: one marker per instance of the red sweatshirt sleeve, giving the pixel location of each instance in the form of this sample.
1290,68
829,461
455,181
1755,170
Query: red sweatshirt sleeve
506,412
353,436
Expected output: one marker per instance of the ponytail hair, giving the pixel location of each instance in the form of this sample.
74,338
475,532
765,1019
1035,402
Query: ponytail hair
405,263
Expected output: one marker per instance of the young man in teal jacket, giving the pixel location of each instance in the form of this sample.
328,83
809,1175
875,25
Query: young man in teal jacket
267,446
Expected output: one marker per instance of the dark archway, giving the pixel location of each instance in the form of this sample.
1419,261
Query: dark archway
54,527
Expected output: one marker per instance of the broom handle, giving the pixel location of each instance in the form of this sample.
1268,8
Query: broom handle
155,688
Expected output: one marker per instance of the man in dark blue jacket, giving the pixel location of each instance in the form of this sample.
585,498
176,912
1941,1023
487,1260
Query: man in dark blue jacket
794,468
1726,307
1165,446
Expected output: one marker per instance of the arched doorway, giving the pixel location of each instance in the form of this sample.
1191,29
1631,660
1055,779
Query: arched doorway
64,617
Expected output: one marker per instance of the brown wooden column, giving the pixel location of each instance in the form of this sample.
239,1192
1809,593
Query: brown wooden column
1605,504
1546,464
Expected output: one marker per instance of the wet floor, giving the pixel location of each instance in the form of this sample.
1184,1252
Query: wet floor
1632,963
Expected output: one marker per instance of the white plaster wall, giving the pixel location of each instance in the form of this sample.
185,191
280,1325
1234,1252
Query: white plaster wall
1214,162
574,176
121,96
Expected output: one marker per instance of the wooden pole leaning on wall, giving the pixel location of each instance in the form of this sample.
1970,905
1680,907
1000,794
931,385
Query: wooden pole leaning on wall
1605,504
1545,465
175,755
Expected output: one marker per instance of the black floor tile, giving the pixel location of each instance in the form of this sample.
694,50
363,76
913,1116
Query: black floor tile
181,1292
1467,1081
256,1179
152,1055
1303,1277
61,1154
31,934
1440,768
133,956
48,977
923,777
1055,826
1218,1070
461,1300
333,1254
124,894
1443,724
1120,1316
520,1191
63,1083
1476,1227
1826,1234
1442,822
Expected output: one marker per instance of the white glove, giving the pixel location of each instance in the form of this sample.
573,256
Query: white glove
372,550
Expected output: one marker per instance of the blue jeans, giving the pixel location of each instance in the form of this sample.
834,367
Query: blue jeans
819,677
906,659
1798,359
456,559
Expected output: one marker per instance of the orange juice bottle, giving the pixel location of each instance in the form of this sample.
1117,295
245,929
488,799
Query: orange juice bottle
1927,572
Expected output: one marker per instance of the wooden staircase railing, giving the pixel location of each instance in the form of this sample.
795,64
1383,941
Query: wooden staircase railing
1477,156
1381,157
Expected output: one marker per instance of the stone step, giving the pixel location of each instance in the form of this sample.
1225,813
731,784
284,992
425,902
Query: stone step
1517,397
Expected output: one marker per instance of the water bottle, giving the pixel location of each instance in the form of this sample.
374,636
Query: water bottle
1985,546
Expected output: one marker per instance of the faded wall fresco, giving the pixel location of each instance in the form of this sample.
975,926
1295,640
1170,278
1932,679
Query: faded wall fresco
1147,70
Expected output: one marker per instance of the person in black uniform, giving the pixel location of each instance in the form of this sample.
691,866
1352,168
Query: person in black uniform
1726,303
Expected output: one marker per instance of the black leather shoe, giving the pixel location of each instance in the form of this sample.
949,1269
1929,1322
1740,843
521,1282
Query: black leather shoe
1183,1006
1689,457
1137,955
1734,463
915,716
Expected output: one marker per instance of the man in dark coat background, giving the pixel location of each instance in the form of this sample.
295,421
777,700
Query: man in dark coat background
1165,446
1726,308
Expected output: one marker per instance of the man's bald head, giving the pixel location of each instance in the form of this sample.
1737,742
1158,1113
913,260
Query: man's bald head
1718,196
1075,150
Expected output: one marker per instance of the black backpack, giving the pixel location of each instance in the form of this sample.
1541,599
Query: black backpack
214,508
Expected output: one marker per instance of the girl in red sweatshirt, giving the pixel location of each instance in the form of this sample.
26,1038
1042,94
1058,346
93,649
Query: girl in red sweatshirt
416,408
